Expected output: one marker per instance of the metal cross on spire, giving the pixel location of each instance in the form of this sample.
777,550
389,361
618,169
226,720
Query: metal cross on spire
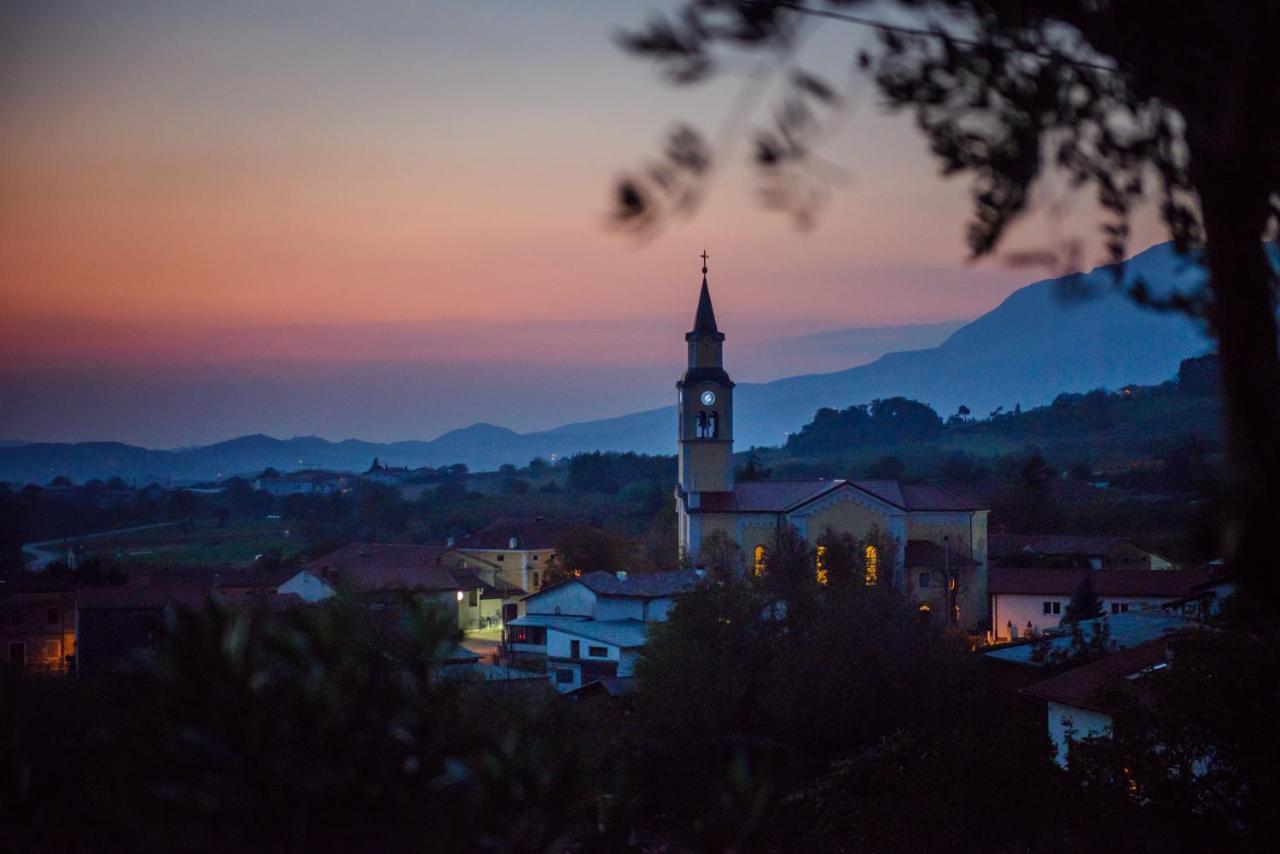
705,256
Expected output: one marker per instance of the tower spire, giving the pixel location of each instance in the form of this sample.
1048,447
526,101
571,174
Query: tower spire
704,321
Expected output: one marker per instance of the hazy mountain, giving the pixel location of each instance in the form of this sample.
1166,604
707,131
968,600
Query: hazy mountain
1030,348
838,349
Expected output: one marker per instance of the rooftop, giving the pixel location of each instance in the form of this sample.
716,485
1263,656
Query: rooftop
1009,545
1127,630
644,585
529,534
781,496
1080,686
1112,582
370,567
626,634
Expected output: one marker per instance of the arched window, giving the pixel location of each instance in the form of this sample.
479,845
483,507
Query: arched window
822,565
759,561
713,428
702,425
872,571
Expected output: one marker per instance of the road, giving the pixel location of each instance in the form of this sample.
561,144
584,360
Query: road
50,551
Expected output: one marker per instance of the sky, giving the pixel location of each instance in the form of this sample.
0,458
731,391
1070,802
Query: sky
385,220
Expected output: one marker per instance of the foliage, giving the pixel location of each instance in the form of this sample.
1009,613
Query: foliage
609,473
1197,737
720,556
320,729
1084,603
894,419
1080,651
582,549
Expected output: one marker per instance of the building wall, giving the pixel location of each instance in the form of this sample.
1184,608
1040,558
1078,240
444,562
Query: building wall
472,616
1071,722
1021,608
307,586
965,533
39,630
558,646
571,598
619,608
706,465
523,568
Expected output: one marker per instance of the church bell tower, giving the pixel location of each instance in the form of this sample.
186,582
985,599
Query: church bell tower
706,420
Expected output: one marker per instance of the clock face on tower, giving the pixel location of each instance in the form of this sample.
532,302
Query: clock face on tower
708,398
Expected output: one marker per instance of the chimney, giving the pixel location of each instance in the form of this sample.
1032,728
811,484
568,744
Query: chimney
511,544
622,576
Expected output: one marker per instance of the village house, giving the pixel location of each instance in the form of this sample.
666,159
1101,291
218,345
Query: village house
382,573
593,626
938,539
306,482
1076,706
37,623
1027,601
519,551
116,620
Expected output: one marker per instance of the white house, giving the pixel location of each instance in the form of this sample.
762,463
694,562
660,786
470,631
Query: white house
1075,701
1029,601
601,613
588,650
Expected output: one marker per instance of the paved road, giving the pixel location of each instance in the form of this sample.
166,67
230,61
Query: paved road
49,551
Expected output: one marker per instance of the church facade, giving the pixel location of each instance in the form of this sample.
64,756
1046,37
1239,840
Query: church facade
938,540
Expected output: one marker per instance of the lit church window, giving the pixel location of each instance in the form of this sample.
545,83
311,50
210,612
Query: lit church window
822,568
872,574
759,565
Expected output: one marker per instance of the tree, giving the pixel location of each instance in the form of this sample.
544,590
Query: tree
887,467
1175,104
582,549
753,470
1084,604
720,556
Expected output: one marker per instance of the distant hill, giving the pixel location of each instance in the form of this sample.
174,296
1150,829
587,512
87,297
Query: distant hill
1025,351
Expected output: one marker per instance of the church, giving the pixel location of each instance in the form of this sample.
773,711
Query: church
938,540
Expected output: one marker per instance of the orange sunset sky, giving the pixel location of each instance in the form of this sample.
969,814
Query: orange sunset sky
386,219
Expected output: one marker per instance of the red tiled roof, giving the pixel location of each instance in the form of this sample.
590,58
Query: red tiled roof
640,585
922,496
776,496
1010,545
1112,582
528,534
370,567
780,496
1080,686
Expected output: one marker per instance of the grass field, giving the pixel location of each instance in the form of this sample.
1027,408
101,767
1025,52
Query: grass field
203,543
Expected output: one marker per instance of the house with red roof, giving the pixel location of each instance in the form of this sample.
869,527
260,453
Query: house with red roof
1076,702
939,539
513,552
1070,551
1026,601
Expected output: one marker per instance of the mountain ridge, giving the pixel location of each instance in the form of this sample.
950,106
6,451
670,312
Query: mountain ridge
1026,350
